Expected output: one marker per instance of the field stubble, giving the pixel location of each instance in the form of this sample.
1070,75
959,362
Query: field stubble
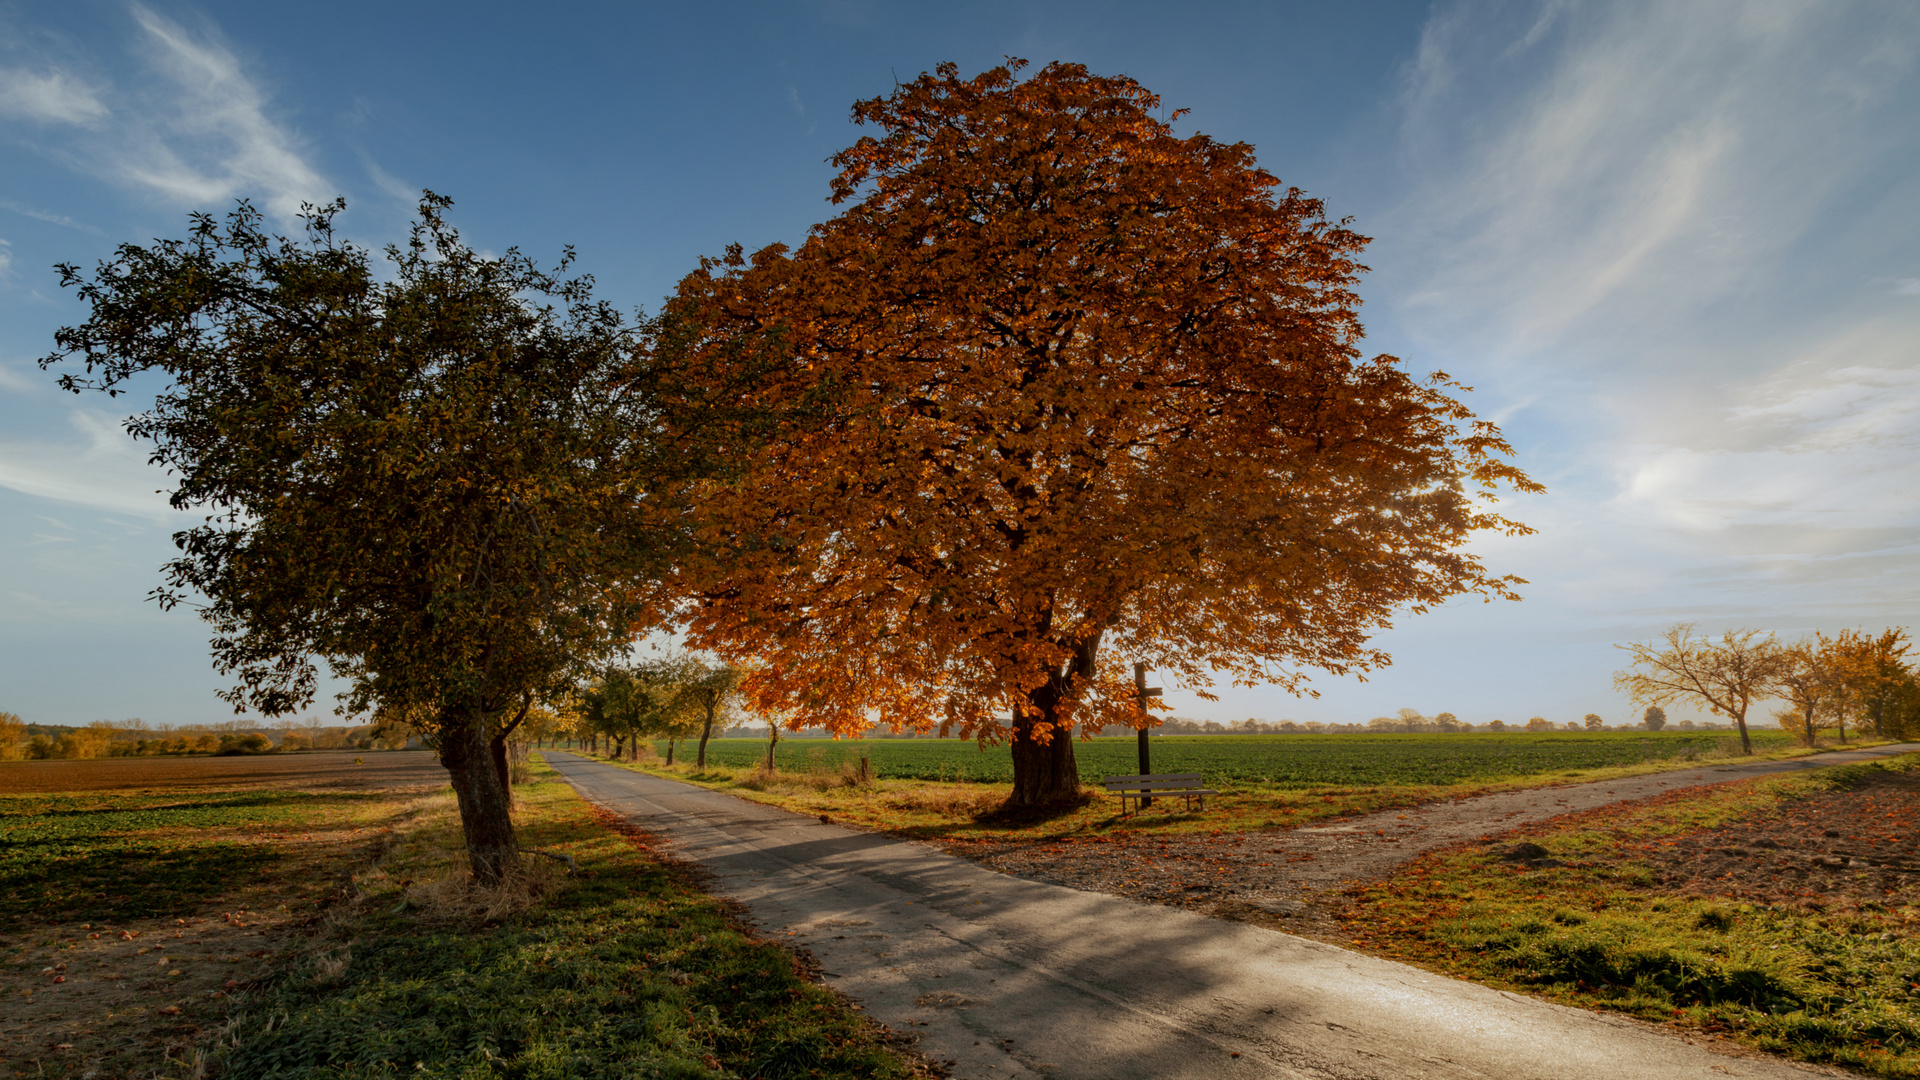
130,914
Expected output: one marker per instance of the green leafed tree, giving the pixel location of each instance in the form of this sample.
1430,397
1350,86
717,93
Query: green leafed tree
428,477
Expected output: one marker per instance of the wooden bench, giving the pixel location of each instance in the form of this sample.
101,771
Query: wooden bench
1139,788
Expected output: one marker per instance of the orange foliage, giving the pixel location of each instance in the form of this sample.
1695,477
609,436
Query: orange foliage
1060,378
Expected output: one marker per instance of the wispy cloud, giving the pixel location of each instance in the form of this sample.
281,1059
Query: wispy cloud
100,467
47,216
1672,244
186,122
49,97
1655,158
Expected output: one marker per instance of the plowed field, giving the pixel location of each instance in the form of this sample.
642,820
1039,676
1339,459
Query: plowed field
328,770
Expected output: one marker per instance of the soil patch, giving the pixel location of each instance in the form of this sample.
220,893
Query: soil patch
1836,847
105,998
326,770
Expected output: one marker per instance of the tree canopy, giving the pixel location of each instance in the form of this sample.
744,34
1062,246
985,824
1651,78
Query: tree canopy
429,479
1061,389
1727,676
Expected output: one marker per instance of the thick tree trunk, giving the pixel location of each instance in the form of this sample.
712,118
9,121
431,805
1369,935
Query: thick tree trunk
773,740
1746,740
497,748
485,812
670,745
1044,772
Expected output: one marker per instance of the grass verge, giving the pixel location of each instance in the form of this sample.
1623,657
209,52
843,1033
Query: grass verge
1773,939
948,810
624,969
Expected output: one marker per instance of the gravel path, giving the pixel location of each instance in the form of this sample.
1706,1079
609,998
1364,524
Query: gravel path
1001,976
1280,872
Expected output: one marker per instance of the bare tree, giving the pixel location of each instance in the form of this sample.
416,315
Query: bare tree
1727,676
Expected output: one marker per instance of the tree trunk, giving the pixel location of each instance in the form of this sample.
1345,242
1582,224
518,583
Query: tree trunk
1746,741
1044,772
773,740
486,816
706,733
670,743
497,749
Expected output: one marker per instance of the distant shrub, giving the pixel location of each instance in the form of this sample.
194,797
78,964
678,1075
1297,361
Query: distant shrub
249,742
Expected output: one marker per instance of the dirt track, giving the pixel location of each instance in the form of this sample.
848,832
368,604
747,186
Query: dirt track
1280,871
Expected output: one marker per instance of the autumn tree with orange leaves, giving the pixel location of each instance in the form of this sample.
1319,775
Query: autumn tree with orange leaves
1061,389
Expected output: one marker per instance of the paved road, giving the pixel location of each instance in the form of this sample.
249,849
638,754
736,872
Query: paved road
1006,977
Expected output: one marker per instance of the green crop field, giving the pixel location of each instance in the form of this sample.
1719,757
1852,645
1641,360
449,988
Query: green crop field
1285,761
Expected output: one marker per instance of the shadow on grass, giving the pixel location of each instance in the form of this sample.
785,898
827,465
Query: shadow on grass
130,882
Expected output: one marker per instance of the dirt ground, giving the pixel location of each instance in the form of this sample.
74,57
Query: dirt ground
1834,848
324,770
1282,876
134,998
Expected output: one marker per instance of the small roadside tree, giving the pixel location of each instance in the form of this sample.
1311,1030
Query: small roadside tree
1727,676
1061,386
1810,682
711,690
1871,674
1654,719
429,479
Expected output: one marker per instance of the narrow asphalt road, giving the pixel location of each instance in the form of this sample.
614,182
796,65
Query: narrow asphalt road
1005,977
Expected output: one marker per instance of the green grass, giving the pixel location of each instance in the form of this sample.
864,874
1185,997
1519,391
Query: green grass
628,970
1279,761
1836,986
103,857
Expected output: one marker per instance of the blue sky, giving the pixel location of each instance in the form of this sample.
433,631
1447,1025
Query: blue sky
1676,247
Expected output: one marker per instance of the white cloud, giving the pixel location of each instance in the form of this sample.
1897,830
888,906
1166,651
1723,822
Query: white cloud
6,258
56,97
1669,242
1631,161
47,216
186,122
103,468
216,140
17,379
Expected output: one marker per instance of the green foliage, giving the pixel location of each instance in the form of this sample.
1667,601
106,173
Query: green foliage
1285,761
426,477
629,971
101,857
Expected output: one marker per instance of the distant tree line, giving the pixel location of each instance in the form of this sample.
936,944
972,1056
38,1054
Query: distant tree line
22,741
